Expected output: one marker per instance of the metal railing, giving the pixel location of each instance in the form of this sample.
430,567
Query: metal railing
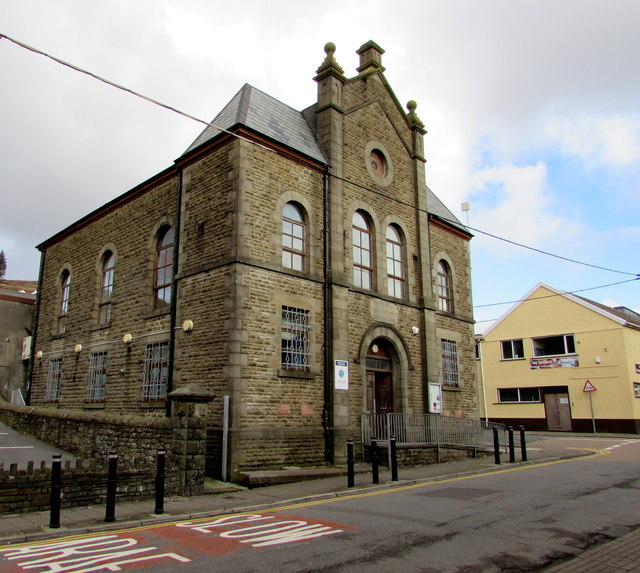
430,429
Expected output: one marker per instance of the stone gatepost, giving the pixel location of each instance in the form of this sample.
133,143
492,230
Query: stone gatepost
189,435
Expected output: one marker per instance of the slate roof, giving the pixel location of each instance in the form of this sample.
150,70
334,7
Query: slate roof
439,209
268,116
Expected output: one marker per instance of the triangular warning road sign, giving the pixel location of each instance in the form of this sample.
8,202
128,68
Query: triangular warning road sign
588,387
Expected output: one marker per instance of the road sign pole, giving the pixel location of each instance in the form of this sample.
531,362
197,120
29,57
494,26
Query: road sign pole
593,417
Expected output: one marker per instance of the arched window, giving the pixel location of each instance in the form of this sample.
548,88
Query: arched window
106,287
63,301
293,237
445,300
163,274
395,263
362,252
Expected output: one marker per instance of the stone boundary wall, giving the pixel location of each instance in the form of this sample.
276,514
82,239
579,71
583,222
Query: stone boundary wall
93,435
408,455
82,484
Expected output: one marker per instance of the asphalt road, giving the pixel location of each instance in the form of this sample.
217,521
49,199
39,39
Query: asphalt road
517,519
20,449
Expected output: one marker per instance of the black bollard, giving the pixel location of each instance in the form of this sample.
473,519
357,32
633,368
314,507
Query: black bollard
512,447
160,461
350,464
523,445
374,461
56,490
110,514
393,458
496,446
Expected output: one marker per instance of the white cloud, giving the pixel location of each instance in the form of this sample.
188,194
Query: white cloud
613,140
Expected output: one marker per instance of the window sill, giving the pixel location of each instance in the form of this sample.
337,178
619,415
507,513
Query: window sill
155,405
284,373
94,406
158,312
450,388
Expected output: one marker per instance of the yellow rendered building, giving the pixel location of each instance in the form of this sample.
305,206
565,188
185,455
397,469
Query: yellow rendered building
557,361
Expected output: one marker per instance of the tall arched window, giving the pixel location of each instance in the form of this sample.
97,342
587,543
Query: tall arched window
106,287
445,300
362,252
293,237
395,263
163,274
63,301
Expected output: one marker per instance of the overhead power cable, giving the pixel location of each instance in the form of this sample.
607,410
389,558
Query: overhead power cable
128,90
253,142
556,294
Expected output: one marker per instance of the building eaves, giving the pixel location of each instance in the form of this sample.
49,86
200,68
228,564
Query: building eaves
438,209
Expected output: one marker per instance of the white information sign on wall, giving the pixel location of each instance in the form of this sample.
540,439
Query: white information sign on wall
341,374
435,398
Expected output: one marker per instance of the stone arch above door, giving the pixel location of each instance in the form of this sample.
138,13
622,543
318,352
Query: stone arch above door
398,356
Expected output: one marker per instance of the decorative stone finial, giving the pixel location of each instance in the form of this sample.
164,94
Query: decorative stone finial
412,116
329,65
330,49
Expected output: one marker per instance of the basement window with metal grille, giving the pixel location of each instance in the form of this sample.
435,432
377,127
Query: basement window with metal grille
156,371
97,379
296,344
450,373
52,391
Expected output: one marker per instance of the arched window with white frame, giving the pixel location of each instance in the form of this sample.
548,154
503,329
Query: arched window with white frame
362,251
395,262
293,237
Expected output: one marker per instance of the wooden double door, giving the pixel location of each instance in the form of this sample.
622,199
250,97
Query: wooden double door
557,408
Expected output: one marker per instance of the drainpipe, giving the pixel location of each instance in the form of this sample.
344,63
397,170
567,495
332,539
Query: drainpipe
174,291
34,329
327,410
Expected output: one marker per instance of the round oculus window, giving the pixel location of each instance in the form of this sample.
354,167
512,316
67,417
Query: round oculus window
378,163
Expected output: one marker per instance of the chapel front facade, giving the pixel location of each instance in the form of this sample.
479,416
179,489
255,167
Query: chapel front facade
294,262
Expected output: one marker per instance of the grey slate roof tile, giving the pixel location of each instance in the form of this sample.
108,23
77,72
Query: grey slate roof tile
266,115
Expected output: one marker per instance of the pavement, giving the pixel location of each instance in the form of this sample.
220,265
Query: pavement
619,555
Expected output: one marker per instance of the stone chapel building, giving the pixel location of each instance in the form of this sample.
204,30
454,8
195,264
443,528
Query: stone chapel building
293,261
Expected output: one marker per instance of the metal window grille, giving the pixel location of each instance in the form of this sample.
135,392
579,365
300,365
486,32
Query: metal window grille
52,391
296,344
97,380
450,363
156,371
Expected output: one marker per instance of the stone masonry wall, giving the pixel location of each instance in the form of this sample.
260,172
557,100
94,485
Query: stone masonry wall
93,435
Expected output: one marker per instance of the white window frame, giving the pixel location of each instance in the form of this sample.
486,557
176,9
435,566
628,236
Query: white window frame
511,344
565,342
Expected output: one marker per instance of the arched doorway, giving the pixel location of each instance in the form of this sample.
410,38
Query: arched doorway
379,371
